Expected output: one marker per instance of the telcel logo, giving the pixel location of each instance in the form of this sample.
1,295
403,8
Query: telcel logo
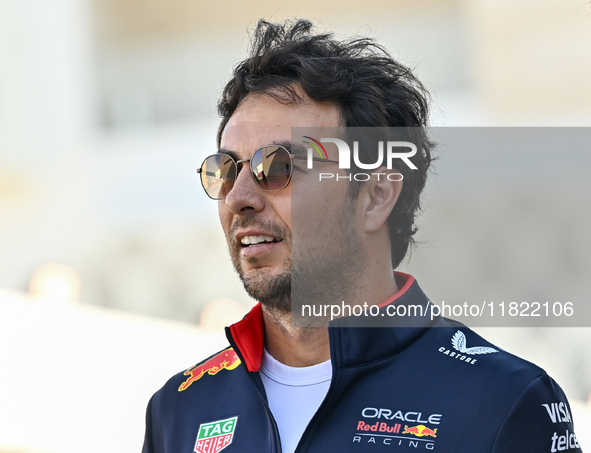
345,153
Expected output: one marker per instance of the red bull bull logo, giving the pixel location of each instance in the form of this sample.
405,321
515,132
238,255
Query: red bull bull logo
227,359
419,431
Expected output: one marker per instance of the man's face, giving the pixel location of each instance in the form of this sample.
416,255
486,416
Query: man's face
249,212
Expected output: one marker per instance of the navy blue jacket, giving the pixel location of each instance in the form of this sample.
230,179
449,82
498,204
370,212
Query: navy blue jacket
394,389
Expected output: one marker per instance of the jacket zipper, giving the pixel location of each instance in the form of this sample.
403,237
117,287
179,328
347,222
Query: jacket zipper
326,404
274,428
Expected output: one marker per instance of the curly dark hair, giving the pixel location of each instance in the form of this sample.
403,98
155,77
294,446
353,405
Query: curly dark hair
361,77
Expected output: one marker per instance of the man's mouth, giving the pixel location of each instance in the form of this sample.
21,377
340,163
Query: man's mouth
248,241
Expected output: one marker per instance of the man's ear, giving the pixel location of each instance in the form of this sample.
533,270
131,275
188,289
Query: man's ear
380,194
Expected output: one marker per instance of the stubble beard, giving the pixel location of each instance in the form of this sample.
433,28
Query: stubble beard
272,291
327,272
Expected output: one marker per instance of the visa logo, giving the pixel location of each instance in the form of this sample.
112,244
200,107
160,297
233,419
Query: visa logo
558,412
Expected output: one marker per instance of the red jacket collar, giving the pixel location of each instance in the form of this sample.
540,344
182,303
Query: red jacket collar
249,333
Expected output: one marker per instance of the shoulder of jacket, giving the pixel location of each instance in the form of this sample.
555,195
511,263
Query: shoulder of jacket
462,343
221,361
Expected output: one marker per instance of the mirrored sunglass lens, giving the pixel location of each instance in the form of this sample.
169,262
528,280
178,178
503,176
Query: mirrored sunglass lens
218,175
271,167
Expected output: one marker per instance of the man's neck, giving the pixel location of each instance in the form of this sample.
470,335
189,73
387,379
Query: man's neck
294,346
307,346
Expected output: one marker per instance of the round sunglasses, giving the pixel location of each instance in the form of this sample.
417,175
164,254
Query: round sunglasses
270,166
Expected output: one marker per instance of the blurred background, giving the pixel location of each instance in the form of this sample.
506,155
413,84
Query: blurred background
113,269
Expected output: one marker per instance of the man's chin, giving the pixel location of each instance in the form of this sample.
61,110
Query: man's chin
273,291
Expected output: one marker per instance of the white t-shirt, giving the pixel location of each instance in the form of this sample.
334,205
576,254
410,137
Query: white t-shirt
294,395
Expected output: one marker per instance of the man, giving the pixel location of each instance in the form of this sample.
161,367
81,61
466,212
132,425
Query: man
298,238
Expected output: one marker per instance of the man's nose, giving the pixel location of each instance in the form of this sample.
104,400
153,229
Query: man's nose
246,196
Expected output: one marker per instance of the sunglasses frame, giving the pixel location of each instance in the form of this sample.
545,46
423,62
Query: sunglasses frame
252,173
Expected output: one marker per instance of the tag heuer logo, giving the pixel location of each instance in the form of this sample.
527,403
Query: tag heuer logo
215,436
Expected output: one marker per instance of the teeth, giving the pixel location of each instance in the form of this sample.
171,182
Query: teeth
250,240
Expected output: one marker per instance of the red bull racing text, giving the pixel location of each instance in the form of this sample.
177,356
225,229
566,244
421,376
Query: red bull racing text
397,433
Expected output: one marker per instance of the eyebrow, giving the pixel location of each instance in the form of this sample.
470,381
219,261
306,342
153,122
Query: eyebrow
232,154
293,148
